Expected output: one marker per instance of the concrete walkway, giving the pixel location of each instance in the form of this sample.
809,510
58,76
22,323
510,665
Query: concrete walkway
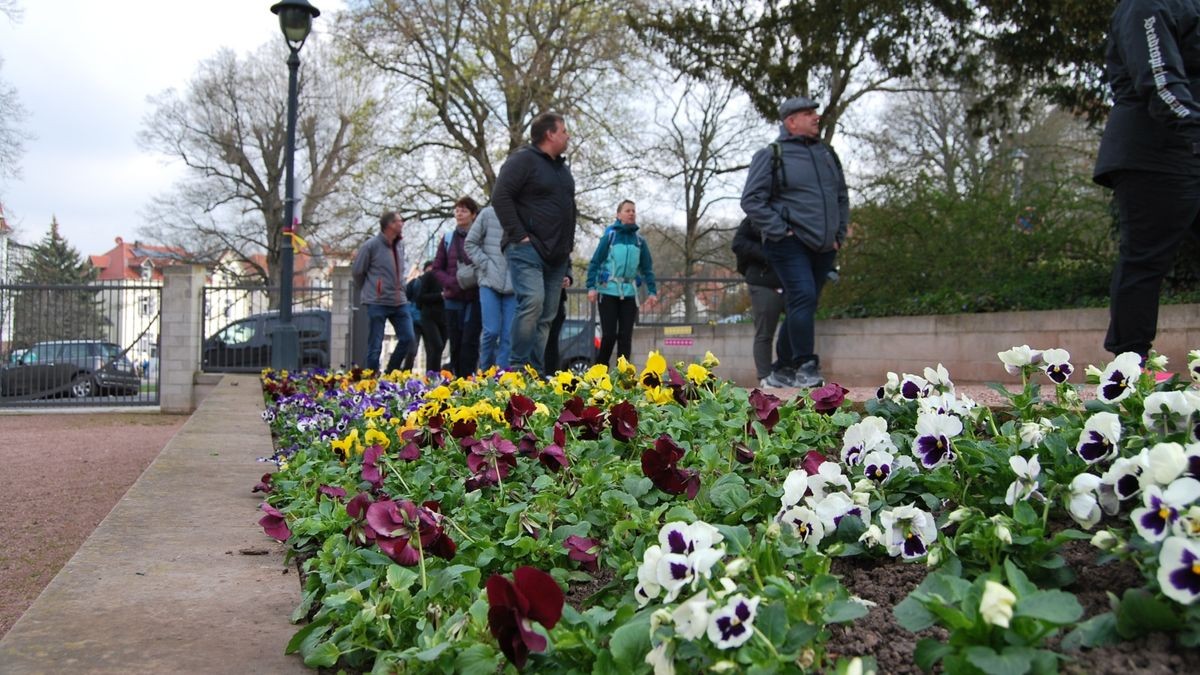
162,584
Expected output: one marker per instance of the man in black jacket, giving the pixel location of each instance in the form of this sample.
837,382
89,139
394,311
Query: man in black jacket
796,196
534,198
1150,156
766,304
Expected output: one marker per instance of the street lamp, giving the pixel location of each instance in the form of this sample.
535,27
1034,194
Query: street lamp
1018,159
295,20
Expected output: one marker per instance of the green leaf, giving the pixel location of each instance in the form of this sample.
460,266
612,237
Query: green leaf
1011,661
680,512
1018,580
542,482
433,652
612,497
1025,514
1141,613
729,493
929,652
478,659
773,622
1056,607
1098,631
324,656
638,487
631,642
309,634
912,614
841,611
401,577
737,538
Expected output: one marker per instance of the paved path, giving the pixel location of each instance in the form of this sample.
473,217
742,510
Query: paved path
161,585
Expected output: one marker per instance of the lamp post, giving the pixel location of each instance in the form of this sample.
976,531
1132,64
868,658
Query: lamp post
1018,159
295,20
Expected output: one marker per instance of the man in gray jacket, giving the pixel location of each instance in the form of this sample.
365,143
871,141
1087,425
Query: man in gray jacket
795,195
1150,156
378,272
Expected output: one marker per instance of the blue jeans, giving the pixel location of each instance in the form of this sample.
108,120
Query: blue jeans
378,317
537,286
802,271
499,310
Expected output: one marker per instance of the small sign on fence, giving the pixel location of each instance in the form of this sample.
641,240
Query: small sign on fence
677,330
678,342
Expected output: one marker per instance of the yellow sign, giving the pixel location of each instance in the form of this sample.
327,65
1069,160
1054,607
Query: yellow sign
677,330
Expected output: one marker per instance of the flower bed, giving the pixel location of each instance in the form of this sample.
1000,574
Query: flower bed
695,526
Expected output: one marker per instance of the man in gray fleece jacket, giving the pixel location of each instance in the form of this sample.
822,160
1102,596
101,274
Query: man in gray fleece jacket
378,272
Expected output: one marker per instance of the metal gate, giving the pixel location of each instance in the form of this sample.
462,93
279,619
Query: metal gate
79,345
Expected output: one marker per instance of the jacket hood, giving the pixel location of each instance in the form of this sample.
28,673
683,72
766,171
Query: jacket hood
622,227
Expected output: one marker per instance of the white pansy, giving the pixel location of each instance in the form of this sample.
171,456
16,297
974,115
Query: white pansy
1017,358
834,507
1177,563
691,617
1194,365
1083,505
1167,412
1027,471
996,605
661,659
828,479
868,434
939,378
1056,363
795,486
1156,361
804,523
1188,523
908,531
1155,520
1033,433
1099,438
648,587
1164,463
1118,379
733,625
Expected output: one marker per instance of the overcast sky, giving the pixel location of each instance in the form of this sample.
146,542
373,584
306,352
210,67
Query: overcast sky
83,70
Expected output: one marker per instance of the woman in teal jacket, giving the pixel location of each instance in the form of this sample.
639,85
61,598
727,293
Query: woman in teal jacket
620,264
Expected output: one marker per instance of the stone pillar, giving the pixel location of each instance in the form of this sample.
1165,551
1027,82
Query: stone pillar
182,320
339,338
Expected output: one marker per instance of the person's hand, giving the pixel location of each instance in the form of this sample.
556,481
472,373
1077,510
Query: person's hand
524,241
592,295
651,301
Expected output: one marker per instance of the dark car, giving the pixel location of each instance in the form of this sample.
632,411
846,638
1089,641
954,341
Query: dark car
245,345
80,368
577,345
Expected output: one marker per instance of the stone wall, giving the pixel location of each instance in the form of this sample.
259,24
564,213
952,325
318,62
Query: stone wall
859,352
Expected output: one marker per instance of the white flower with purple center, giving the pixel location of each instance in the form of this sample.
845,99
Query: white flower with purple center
1017,359
889,389
1163,464
1191,452
795,486
1033,433
948,404
913,387
648,587
1057,364
864,436
932,446
1168,412
1122,481
804,523
828,479
1117,380
733,625
835,506
1082,505
684,539
1188,523
1194,365
907,531
1179,569
1025,485
939,379
1098,441
695,545
673,573
691,617
1161,510
877,465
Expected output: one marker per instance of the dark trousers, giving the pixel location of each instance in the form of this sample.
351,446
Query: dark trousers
617,316
802,271
411,357
434,333
551,358
766,304
1156,211
463,325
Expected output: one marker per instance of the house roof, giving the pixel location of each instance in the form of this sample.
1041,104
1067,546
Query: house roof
126,260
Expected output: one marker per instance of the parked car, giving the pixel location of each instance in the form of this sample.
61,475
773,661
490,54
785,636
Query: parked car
245,345
578,344
80,368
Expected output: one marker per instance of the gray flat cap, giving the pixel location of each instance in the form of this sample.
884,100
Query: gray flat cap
796,104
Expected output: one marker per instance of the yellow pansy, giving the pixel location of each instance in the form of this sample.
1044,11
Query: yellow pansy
697,373
625,368
372,413
348,445
710,361
659,395
377,437
513,380
655,363
439,393
540,408
461,414
596,373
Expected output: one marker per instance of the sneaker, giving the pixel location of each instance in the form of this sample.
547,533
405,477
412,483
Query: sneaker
808,376
776,380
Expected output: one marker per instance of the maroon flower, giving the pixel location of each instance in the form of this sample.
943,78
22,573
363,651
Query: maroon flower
463,429
398,524
742,453
274,523
532,595
583,551
589,419
813,460
359,531
826,400
623,419
766,408
332,492
491,459
370,466
660,465
527,445
554,456
680,389
263,485
411,451
518,410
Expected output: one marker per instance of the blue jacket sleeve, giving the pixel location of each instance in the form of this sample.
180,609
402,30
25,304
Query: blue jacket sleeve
597,261
646,267
756,197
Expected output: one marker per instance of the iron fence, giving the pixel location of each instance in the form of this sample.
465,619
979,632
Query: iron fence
683,301
73,345
239,320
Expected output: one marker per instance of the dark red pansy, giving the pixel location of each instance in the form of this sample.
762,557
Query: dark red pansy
527,445
623,419
463,429
813,460
274,523
766,408
518,410
742,453
332,491
659,464
370,466
532,595
827,399
263,485
583,551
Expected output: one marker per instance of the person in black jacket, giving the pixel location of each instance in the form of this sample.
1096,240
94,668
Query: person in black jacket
412,290
766,304
1150,156
433,318
534,198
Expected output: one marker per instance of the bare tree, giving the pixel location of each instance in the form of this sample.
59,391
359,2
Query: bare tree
12,137
229,130
701,152
471,74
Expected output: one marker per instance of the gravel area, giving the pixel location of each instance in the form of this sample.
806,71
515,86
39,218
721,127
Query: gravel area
62,473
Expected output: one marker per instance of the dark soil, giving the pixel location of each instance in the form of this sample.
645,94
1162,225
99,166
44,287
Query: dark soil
887,582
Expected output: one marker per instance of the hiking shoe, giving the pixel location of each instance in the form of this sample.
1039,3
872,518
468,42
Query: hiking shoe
776,380
808,376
